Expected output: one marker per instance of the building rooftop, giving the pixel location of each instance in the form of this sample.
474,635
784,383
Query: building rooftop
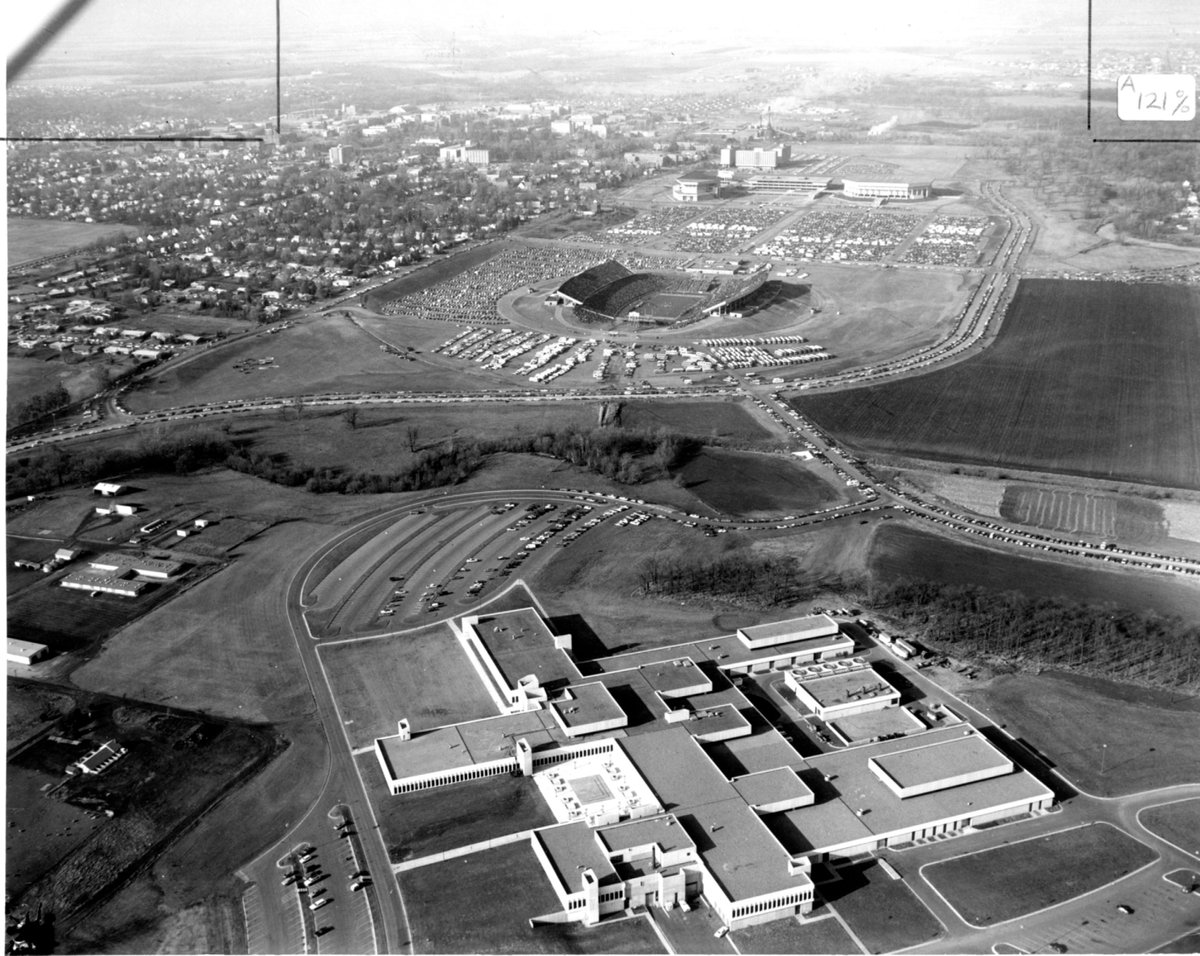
678,771
771,786
137,562
716,719
727,651
765,750
878,723
520,643
738,849
664,831
795,629
25,648
856,786
571,848
589,703
941,763
676,677
463,745
863,685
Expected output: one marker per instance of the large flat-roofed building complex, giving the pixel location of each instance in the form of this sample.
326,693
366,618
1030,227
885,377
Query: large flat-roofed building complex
665,783
761,157
783,183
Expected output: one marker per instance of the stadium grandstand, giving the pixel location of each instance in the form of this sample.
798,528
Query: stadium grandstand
577,289
880,180
739,294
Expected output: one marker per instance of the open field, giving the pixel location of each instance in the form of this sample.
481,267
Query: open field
176,765
1106,738
379,442
753,484
42,831
67,620
424,676
980,495
328,353
36,238
1087,378
901,551
1133,520
884,913
1009,881
786,936
31,374
727,419
507,888
1177,823
419,824
239,664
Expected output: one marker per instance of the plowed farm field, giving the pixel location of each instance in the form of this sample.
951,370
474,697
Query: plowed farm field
1091,378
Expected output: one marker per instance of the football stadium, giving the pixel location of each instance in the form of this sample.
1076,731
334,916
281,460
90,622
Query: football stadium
609,292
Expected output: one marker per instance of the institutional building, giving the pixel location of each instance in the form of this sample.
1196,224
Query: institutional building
783,183
900,189
761,157
666,784
464,153
694,187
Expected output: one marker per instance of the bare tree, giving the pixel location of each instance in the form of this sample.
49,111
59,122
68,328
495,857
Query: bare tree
350,417
412,433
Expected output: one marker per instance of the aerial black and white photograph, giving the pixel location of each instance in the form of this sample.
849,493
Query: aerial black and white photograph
612,478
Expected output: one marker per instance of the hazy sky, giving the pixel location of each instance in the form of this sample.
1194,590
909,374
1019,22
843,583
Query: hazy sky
862,23
874,21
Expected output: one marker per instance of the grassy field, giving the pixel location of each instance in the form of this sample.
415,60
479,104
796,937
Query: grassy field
329,353
747,484
1087,378
379,442
791,936
727,419
1010,881
507,888
1132,520
36,238
424,676
42,371
67,620
419,824
1106,738
884,913
245,666
900,551
1177,823
176,765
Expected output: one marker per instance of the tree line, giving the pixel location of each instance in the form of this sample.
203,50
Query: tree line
625,456
742,578
39,404
1118,643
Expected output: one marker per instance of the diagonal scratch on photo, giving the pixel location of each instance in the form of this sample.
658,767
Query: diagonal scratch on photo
607,479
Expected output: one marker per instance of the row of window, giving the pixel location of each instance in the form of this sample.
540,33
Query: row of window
793,899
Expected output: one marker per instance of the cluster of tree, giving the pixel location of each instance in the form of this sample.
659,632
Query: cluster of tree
1118,643
628,456
179,452
436,468
740,577
40,404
